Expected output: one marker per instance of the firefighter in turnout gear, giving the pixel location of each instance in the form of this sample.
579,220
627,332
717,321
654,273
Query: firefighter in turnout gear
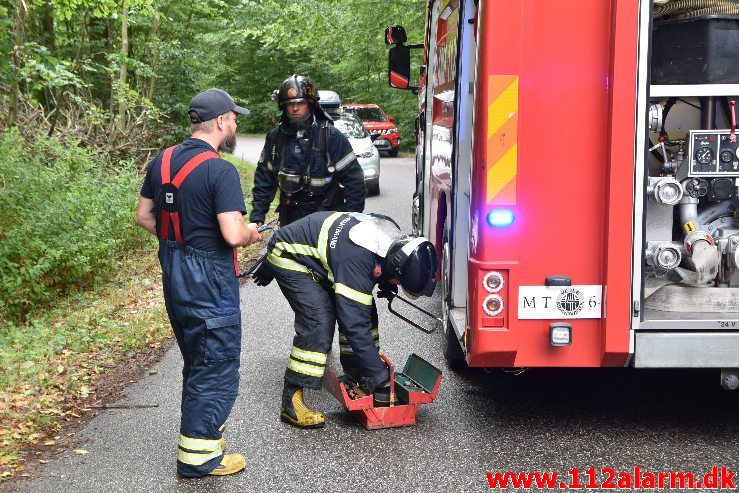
327,265
307,159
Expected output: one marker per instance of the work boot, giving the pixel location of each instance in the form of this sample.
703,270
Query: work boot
230,464
296,412
223,445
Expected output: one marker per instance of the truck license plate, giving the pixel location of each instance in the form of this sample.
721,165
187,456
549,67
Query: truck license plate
542,302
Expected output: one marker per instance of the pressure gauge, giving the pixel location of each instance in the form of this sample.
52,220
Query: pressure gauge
727,155
704,155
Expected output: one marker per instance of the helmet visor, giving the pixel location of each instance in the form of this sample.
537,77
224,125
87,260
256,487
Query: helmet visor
418,274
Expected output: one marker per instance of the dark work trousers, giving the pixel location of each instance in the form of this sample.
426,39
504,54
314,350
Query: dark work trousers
292,214
201,293
315,322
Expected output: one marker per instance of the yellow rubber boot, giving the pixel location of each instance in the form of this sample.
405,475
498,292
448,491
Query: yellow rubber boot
296,412
230,464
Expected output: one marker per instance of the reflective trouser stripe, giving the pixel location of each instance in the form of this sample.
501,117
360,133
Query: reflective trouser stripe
199,444
193,459
323,242
346,348
310,356
305,369
353,294
286,263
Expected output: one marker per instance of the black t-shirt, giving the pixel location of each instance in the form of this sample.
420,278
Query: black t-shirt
211,188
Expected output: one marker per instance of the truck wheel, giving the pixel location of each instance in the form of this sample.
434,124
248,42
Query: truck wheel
453,353
393,152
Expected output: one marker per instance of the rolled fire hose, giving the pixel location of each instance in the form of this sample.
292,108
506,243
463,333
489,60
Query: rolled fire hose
694,8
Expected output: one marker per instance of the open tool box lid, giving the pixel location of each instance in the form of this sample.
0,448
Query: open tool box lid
419,381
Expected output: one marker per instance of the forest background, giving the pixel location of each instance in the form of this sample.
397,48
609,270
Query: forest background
90,91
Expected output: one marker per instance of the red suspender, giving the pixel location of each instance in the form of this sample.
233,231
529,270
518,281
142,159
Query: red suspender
182,174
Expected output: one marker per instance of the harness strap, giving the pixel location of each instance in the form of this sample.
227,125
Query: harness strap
180,177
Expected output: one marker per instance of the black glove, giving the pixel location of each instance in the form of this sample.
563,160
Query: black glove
387,290
263,275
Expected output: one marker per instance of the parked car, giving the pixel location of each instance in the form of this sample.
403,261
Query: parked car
381,127
367,154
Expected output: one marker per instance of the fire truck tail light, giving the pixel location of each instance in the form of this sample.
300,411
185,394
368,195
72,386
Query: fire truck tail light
492,282
560,334
492,305
500,217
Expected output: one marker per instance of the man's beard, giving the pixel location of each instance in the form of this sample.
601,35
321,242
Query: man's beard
229,144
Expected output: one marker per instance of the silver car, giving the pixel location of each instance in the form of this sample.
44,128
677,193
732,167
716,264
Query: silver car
367,154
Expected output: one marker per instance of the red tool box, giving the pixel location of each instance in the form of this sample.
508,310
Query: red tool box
417,384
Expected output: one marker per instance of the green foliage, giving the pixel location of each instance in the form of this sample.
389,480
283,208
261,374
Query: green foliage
71,216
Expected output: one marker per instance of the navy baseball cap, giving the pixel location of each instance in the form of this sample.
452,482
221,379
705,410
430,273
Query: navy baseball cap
212,103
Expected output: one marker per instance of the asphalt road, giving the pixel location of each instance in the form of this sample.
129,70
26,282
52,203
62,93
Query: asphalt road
544,420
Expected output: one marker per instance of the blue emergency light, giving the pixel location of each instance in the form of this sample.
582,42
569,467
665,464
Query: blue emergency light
500,217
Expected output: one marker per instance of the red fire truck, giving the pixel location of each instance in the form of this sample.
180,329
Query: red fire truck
577,169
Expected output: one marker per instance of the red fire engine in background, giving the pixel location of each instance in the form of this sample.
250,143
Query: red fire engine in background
577,169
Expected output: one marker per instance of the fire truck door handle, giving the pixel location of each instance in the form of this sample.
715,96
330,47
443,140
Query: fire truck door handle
558,281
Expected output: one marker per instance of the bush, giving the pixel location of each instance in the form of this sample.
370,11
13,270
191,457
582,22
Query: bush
64,216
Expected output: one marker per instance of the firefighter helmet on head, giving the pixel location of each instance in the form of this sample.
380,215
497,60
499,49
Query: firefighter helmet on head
412,262
296,88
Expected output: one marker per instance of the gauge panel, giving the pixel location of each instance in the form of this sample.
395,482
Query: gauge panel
712,153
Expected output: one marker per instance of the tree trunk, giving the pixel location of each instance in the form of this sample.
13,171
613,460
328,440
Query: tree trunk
124,68
155,25
110,30
48,34
19,32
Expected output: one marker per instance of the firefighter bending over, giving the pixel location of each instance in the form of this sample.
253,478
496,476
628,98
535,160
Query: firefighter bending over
327,265
307,159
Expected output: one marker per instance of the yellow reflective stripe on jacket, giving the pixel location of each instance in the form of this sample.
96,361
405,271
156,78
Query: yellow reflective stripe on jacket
295,249
343,162
286,263
353,294
197,459
311,356
199,444
305,369
317,182
323,242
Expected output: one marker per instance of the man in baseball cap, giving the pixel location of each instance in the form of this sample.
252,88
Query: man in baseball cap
212,103
193,202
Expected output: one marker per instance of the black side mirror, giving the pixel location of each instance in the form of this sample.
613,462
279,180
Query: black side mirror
399,67
399,59
395,35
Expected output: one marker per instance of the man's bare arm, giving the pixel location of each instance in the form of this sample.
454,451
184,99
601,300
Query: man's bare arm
235,231
145,215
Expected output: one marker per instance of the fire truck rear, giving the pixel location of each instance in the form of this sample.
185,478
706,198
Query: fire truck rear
577,168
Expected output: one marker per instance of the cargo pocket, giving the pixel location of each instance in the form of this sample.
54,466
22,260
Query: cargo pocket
222,338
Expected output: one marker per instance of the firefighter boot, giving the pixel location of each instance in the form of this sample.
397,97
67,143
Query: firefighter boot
230,464
296,412
381,397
